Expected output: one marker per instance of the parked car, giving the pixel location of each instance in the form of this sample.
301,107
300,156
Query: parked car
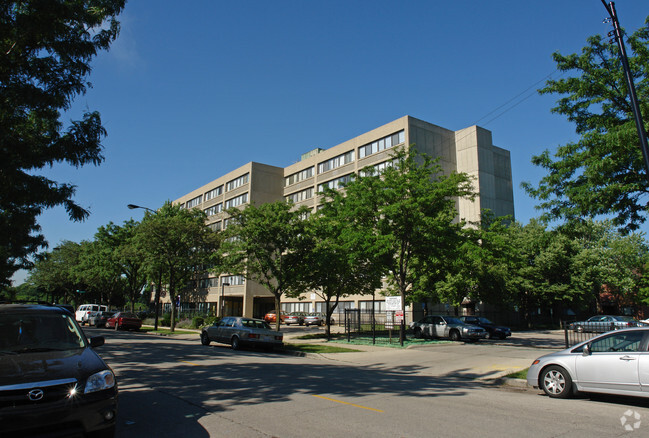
270,317
603,323
438,326
124,320
52,380
317,319
239,331
612,363
84,311
294,318
493,331
98,319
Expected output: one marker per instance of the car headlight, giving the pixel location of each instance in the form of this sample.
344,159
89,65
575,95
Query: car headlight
100,381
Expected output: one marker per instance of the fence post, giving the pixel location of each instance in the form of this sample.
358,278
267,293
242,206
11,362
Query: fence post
565,332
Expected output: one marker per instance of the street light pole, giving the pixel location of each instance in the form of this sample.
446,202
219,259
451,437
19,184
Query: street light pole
133,207
617,34
222,296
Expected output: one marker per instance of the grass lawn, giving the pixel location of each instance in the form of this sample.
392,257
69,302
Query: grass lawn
522,374
318,348
167,332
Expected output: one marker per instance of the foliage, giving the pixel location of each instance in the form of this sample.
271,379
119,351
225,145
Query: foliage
56,273
266,244
46,51
603,173
177,241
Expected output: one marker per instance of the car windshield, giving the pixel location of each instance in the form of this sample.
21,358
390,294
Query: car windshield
484,321
38,332
255,323
452,320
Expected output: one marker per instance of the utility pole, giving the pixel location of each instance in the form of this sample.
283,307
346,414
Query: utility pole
617,34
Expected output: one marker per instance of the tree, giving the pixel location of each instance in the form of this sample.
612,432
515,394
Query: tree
178,244
56,273
335,269
404,219
602,173
46,51
265,244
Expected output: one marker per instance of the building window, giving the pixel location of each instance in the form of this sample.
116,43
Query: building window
296,307
213,193
236,201
298,176
377,168
194,202
211,211
366,306
337,183
216,226
300,196
238,182
233,280
382,144
335,162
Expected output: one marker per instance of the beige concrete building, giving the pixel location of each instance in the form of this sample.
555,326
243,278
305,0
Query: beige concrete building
469,150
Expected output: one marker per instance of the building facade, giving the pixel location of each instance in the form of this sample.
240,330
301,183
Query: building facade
469,150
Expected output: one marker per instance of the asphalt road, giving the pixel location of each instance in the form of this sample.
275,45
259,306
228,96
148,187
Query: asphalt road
171,387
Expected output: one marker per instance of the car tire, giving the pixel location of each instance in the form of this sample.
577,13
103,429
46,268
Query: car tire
205,340
97,325
556,382
301,323
417,332
579,329
490,335
455,336
235,343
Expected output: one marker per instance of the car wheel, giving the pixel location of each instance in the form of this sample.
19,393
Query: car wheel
556,382
579,329
205,340
97,325
235,343
301,323
417,332
490,335
455,336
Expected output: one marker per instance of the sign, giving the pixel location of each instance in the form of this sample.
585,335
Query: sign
393,303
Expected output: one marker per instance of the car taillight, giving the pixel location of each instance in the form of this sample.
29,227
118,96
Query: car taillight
253,335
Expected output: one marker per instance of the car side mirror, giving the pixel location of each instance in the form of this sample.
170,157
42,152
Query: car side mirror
586,350
97,341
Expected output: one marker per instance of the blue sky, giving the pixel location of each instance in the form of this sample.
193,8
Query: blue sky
192,90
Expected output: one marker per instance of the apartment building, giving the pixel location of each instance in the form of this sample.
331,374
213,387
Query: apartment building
469,150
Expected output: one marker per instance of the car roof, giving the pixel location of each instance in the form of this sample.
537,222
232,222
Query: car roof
32,308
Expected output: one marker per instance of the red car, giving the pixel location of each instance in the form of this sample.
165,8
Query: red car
270,317
124,320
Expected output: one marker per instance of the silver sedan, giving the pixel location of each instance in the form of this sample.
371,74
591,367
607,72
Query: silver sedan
616,362
239,331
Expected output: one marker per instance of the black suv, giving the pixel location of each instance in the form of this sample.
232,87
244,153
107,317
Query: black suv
51,380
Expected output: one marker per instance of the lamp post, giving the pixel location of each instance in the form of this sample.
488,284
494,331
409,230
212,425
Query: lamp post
133,207
222,295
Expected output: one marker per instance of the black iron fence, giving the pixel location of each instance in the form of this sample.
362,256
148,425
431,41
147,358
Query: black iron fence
580,331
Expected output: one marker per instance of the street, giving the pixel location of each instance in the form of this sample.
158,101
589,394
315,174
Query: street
174,386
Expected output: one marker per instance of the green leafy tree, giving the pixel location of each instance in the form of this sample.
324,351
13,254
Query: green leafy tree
179,245
603,173
265,244
56,273
46,49
405,219
335,268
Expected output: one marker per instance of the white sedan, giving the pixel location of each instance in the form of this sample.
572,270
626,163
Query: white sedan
616,362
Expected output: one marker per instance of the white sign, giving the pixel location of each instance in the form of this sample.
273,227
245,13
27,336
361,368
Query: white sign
392,303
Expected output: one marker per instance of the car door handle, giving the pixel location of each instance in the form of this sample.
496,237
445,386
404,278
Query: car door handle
627,358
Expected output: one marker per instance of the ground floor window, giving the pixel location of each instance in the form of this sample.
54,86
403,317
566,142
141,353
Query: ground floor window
366,306
340,308
296,307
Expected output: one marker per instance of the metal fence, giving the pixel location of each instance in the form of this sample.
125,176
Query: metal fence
576,332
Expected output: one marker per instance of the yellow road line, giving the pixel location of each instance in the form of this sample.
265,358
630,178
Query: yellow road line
191,363
345,403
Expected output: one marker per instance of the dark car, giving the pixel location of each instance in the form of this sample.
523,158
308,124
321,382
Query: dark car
493,331
52,382
239,331
124,320
98,319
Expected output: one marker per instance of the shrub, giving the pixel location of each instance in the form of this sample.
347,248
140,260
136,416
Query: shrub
197,322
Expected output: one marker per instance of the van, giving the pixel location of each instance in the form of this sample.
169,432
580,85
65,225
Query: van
84,311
